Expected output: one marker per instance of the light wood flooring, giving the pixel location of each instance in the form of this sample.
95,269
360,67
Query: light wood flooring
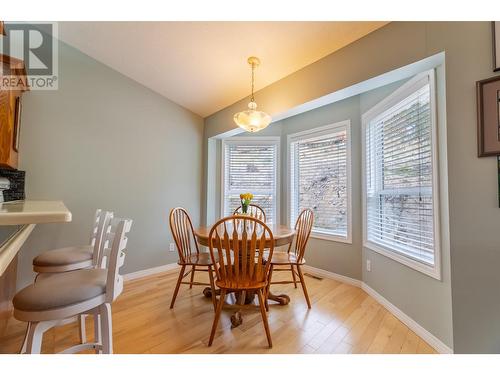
343,319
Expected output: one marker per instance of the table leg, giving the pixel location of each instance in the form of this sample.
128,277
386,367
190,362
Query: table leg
236,319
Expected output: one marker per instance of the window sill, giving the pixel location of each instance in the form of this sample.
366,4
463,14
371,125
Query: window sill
331,237
432,271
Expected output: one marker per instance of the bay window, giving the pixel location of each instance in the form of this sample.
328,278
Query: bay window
319,167
401,211
250,165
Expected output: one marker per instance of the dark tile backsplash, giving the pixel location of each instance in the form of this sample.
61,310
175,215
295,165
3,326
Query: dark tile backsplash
16,178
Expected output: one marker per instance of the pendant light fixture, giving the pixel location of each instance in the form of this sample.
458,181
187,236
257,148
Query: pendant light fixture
252,120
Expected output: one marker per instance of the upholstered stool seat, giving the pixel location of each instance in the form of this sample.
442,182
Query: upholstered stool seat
74,257
65,259
60,290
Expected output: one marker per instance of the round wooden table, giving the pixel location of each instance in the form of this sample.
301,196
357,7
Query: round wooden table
282,235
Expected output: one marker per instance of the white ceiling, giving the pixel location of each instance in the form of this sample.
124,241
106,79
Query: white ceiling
202,65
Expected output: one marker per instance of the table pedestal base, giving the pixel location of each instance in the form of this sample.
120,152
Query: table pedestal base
236,318
282,299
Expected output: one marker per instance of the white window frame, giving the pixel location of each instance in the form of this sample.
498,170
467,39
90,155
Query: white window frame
245,141
319,132
404,91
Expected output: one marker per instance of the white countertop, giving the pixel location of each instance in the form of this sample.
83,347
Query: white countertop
27,214
33,212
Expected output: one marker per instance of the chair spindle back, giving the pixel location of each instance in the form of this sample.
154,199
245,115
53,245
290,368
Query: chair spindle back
303,227
183,233
239,242
254,211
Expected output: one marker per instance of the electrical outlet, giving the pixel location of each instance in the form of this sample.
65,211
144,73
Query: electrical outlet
368,265
172,247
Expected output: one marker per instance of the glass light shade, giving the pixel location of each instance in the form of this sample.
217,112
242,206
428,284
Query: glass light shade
252,120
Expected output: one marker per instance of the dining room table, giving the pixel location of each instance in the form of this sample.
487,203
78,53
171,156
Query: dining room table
282,236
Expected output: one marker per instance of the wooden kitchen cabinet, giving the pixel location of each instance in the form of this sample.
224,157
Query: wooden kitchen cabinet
10,113
8,130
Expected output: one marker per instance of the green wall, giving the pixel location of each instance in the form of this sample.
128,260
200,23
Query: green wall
104,141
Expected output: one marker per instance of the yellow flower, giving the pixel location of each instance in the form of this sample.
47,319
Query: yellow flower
246,196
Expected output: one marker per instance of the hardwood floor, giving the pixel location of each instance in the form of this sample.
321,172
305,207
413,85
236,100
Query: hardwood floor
343,319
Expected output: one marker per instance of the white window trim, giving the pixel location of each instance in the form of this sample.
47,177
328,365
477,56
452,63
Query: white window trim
252,140
319,132
402,92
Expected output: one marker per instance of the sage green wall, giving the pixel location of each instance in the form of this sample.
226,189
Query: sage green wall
337,257
105,141
341,258
473,200
425,299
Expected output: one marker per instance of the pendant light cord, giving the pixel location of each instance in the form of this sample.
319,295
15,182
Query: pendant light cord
252,99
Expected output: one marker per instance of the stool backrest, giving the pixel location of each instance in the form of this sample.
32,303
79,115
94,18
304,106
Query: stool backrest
253,210
237,245
112,256
103,223
95,226
183,233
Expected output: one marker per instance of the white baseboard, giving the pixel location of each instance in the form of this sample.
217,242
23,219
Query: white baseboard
150,271
412,324
331,275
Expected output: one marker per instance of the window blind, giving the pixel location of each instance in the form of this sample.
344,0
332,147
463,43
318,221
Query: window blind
319,179
399,176
251,166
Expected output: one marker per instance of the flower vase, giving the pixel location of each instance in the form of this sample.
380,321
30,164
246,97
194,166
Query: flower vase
244,209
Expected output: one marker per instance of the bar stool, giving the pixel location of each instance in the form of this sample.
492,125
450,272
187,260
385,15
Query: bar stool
63,296
72,258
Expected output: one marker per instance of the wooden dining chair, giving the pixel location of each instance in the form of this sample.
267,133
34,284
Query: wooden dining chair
189,253
294,257
237,245
254,211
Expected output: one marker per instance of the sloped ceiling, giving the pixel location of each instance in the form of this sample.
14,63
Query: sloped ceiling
202,65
